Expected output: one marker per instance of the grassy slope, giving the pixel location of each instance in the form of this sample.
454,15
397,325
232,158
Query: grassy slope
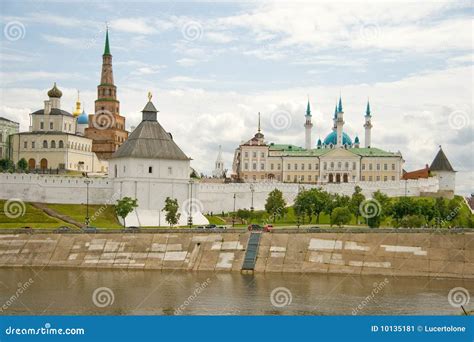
102,216
32,217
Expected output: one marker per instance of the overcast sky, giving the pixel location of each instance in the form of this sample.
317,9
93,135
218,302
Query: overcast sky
213,66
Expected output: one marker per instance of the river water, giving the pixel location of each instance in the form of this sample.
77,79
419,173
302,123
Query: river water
135,292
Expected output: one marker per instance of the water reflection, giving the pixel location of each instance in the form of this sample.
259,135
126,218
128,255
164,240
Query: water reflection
61,291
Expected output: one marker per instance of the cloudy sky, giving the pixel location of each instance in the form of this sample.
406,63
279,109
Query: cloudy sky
212,66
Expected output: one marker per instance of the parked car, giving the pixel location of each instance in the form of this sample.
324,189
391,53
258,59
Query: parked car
200,227
90,230
211,226
268,228
131,229
255,227
62,229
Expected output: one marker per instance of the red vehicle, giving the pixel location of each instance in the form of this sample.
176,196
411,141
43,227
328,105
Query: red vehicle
256,227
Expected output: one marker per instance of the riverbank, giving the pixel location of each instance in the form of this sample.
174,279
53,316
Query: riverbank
431,254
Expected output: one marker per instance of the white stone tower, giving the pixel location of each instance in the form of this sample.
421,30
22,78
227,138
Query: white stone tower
339,123
308,128
368,126
219,166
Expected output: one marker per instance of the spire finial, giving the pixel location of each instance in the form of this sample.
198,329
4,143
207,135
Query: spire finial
259,130
149,96
107,47
339,108
308,108
367,110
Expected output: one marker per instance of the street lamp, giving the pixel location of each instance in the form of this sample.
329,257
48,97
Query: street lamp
190,204
233,215
87,181
252,190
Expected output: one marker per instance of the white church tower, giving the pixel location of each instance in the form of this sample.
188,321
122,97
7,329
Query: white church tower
368,125
308,128
219,166
339,123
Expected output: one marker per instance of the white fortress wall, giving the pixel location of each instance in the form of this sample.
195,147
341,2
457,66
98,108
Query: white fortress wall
55,189
210,197
219,197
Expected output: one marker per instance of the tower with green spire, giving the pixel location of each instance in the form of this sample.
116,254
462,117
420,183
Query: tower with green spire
106,125
368,125
308,125
339,123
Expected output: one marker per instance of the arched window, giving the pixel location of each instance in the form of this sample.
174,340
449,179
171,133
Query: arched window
45,144
61,144
53,144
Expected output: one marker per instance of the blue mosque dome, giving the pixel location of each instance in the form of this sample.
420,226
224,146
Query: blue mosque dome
356,140
83,118
332,139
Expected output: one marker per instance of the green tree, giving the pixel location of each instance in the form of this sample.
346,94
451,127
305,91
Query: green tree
275,204
6,164
22,164
426,209
341,216
125,206
318,200
382,201
302,206
413,221
243,214
355,202
171,208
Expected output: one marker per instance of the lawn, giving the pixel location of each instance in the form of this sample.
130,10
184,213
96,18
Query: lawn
31,217
102,216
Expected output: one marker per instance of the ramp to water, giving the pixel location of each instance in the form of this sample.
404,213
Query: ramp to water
251,252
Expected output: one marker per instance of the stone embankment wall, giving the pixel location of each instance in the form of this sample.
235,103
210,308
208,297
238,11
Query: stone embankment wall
399,254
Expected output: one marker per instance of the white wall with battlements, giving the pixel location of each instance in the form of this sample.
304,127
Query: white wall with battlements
209,197
220,197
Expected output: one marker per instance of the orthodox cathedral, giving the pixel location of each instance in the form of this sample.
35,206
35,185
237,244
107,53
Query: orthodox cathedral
336,159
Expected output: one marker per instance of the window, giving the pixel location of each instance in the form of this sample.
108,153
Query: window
378,178
262,166
32,144
271,167
246,166
339,165
353,165
309,166
378,166
385,178
1,137
254,166
70,127
246,154
45,144
346,165
302,167
25,144
385,167
363,166
150,169
288,178
170,170
51,125
289,166
317,167
53,144
309,177
65,126
262,154
254,177
302,178
125,169
332,165
363,178
370,178
61,144
296,166
325,166
370,167
254,154
41,125
278,167
393,167
393,178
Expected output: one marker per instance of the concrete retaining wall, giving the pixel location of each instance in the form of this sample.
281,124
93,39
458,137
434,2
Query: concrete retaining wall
400,254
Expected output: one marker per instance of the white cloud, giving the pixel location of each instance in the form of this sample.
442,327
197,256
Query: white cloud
187,62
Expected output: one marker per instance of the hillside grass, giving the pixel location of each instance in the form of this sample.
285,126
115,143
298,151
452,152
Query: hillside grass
28,216
102,216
